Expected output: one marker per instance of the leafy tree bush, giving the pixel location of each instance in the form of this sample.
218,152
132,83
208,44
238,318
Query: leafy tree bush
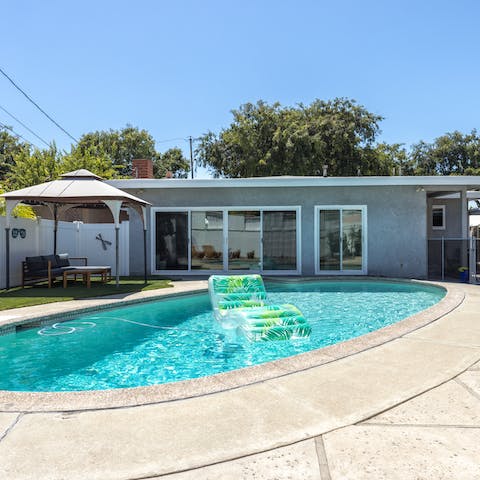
172,161
266,140
450,154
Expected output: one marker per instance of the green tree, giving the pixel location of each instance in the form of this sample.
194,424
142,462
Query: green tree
9,147
393,159
450,154
121,146
23,211
172,161
33,167
266,139
98,163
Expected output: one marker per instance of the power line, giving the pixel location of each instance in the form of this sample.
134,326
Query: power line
185,139
24,126
39,108
2,125
172,140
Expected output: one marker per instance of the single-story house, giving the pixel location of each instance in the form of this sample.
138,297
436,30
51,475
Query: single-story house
309,226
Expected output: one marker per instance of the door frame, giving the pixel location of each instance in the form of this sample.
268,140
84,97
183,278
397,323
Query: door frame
316,223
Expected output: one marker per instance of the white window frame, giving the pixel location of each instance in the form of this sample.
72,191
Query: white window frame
292,208
364,270
443,208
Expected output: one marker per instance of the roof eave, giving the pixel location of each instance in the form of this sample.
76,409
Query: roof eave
471,182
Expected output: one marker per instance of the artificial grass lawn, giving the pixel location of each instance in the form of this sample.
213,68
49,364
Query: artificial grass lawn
41,294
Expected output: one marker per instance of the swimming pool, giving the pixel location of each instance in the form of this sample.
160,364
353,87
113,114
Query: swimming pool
177,338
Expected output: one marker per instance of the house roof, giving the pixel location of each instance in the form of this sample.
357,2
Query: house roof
427,182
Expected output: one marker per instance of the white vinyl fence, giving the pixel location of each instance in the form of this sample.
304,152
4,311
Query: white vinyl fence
35,237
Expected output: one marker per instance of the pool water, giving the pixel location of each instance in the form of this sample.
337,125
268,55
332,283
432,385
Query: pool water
178,338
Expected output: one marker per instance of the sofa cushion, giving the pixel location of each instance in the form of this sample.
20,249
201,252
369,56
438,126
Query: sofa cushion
57,271
62,260
35,264
39,273
52,259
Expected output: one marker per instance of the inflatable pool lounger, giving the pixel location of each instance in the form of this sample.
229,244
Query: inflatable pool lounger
240,302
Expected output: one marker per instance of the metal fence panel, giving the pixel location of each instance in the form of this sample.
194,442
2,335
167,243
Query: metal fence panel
453,259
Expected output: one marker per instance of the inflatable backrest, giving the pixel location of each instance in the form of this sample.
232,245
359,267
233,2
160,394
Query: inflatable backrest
236,291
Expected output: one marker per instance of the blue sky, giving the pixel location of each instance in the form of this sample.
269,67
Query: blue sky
177,68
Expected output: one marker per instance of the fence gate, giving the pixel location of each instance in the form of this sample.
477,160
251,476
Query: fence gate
454,259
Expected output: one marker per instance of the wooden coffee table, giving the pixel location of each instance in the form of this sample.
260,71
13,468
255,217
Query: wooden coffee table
86,273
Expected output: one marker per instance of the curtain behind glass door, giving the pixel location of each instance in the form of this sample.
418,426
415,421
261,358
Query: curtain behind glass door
171,249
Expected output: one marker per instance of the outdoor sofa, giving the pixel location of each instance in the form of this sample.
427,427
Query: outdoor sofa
47,267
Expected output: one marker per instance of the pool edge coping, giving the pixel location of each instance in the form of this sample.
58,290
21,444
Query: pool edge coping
75,401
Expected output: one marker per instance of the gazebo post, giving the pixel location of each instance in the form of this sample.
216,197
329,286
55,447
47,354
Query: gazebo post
55,228
117,256
144,215
114,206
9,206
7,257
144,256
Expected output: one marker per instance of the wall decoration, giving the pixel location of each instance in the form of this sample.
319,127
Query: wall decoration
105,243
19,232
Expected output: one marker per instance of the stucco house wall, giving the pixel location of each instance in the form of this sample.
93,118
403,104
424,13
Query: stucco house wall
396,220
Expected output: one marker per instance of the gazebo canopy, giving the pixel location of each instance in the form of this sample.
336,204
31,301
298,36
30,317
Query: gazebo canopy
78,188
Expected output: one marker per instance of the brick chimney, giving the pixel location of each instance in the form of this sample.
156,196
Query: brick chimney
142,168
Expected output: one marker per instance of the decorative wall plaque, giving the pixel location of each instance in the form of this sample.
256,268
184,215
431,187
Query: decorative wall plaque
104,242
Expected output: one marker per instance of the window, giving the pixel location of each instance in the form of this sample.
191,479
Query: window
438,217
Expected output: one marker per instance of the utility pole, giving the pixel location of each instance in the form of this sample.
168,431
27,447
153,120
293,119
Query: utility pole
191,155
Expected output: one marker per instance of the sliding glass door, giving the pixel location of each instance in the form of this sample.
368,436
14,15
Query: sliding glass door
330,236
227,239
352,234
244,238
171,245
340,233
280,240
206,240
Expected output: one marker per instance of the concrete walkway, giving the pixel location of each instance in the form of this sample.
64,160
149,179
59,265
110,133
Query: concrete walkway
433,436
407,409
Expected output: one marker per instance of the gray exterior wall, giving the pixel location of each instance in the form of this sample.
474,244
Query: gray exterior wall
396,220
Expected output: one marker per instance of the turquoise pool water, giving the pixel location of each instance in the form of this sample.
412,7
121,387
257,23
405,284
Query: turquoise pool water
178,338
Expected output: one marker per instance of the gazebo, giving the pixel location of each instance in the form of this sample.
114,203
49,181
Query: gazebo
80,188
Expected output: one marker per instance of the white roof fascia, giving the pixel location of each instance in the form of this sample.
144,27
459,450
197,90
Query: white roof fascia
470,195
471,182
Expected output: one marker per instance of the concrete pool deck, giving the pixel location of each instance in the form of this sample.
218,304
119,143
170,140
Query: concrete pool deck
401,403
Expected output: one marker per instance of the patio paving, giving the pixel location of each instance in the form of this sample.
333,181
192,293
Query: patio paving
407,409
436,435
